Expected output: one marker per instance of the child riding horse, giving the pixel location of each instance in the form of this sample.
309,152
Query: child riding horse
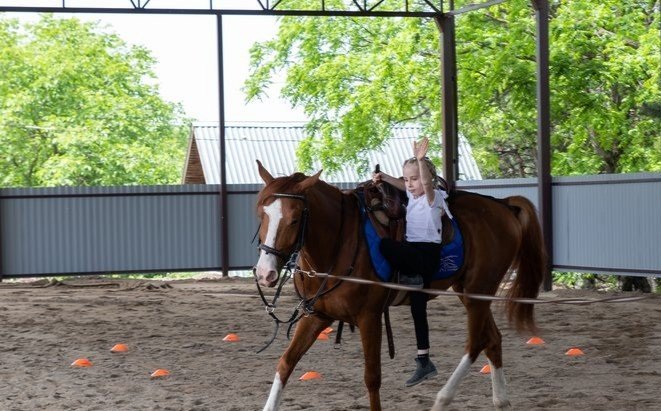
304,215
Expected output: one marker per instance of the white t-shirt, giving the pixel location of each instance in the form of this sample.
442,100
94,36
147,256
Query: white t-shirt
423,221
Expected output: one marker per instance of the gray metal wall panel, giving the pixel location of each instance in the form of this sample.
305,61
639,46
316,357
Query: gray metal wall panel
526,187
609,223
242,227
601,224
88,233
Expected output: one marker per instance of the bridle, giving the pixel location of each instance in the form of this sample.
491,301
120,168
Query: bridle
305,305
290,266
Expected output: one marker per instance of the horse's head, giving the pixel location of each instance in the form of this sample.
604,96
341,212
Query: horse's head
282,209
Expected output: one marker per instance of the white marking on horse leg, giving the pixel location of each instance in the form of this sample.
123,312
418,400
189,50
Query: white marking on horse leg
499,387
266,265
275,395
446,395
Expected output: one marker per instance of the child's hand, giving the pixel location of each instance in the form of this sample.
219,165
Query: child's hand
420,148
376,177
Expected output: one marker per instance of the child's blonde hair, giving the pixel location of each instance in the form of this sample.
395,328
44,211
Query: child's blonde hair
437,181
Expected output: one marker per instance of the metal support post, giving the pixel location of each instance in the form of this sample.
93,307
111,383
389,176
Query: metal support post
224,220
544,181
449,116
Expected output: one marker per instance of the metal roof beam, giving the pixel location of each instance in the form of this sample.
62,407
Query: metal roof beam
475,6
354,8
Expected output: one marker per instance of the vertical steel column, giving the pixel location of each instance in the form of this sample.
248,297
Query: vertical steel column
544,181
224,221
450,138
2,271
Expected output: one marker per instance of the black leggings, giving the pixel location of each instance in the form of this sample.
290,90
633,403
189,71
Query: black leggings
410,259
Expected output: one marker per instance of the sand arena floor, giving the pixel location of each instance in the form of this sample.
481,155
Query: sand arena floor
180,327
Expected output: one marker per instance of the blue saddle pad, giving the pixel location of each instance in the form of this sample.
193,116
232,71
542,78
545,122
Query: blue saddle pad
452,254
379,263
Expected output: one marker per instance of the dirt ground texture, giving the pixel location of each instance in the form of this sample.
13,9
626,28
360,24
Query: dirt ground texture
180,326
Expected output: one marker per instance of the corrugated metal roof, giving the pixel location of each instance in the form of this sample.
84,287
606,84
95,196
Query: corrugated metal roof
274,144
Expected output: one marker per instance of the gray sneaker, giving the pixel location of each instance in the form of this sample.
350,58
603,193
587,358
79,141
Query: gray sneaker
421,373
414,281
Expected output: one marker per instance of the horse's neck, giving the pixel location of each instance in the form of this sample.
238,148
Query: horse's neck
331,218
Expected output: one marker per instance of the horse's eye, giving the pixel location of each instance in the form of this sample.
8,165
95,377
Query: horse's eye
293,222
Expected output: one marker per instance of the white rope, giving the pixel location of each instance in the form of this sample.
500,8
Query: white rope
484,297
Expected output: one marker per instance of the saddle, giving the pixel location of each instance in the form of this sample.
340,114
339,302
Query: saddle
386,206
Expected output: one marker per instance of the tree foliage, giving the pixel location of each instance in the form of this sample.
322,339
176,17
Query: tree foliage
80,107
356,78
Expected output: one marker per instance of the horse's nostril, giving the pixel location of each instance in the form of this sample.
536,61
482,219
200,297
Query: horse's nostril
272,275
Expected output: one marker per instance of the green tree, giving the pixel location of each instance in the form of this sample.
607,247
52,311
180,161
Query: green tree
80,107
356,78
606,75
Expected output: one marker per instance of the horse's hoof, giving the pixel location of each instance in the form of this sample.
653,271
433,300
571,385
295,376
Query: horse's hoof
441,404
502,405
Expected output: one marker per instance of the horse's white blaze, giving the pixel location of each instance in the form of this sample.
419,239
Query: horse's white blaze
499,387
268,262
446,395
275,395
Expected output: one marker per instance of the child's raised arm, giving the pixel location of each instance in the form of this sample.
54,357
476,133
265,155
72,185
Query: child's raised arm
420,151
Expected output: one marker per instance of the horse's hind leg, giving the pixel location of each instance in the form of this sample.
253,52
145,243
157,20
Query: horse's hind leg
305,335
482,335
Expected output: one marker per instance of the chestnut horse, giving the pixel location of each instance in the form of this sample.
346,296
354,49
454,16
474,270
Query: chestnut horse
320,225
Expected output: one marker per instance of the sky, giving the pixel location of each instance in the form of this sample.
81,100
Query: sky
186,51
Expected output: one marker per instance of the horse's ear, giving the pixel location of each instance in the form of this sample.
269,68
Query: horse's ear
266,176
310,181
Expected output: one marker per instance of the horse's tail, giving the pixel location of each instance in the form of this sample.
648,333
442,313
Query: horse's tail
530,265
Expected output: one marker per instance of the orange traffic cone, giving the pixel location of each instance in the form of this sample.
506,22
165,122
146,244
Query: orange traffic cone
231,338
310,375
574,352
327,330
119,348
82,362
160,373
535,341
486,369
322,336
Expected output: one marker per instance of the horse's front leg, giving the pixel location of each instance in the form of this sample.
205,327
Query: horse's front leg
305,335
370,335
